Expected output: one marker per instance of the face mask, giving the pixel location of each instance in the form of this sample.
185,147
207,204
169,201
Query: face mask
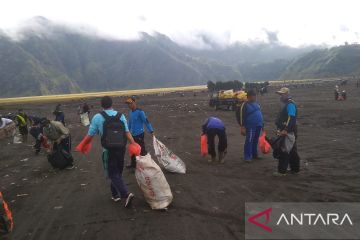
283,98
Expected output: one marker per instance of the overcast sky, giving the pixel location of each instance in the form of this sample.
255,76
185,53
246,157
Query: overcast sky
293,22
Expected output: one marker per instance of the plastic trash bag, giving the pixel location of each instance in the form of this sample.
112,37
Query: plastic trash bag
84,118
264,145
203,145
6,218
134,149
167,158
152,182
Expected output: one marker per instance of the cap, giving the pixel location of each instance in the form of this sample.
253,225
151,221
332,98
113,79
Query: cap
283,90
130,100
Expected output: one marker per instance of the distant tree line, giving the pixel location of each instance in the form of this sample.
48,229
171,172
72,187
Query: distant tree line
236,85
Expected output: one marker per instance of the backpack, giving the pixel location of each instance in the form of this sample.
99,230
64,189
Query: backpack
6,219
113,132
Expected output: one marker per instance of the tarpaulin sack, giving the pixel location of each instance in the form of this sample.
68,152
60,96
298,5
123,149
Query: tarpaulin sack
6,219
8,131
84,118
167,158
203,145
264,146
152,182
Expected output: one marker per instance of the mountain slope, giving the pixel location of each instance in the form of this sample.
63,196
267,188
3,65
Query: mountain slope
64,61
333,62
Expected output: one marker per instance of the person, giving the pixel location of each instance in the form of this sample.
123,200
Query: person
59,115
113,158
85,108
59,137
137,120
250,119
287,127
336,92
36,130
22,120
215,127
84,112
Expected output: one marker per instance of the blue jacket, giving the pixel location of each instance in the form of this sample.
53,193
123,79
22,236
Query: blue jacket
137,120
249,115
213,123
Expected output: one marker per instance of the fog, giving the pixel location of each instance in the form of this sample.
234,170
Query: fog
197,24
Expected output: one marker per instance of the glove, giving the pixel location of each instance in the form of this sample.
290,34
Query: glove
85,145
134,149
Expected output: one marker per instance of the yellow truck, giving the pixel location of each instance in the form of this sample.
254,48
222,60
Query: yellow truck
228,99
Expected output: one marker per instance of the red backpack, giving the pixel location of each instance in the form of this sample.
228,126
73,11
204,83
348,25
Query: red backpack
6,219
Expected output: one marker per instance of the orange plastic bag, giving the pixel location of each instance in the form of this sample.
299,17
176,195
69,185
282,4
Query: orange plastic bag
203,145
264,146
134,149
6,219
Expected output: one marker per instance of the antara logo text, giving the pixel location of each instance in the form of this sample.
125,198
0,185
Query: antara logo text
302,219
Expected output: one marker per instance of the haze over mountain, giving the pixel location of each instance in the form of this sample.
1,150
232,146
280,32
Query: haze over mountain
48,58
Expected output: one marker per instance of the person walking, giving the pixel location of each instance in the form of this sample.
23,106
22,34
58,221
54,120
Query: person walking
250,119
137,120
287,128
114,131
215,127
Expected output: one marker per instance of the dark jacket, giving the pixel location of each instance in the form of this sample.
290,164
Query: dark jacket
286,119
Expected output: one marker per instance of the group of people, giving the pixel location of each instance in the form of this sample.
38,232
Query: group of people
250,119
115,131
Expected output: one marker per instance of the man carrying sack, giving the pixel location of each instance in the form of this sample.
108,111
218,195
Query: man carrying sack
137,120
287,129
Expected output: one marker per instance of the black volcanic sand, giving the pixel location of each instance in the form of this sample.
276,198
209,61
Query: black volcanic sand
209,199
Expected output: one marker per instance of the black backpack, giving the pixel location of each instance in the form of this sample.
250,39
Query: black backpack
113,132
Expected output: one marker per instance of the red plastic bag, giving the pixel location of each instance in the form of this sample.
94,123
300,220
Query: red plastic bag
85,145
134,149
264,146
203,145
45,143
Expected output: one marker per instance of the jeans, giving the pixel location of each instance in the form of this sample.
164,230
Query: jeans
139,139
211,134
115,166
251,142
